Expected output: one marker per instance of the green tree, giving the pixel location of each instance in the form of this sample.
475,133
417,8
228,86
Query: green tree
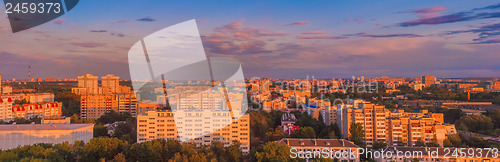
357,135
103,147
100,131
274,151
307,132
377,145
420,143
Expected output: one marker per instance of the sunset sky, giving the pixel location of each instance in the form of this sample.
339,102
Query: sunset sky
277,39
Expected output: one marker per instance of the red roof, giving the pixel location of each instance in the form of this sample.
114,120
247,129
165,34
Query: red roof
9,100
1,100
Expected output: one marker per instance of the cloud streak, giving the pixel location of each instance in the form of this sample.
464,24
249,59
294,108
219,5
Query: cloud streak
98,31
146,19
452,18
298,23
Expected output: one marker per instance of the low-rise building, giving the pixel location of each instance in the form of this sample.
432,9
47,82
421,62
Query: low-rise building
43,109
15,135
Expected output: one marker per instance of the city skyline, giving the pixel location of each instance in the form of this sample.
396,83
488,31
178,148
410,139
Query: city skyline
397,39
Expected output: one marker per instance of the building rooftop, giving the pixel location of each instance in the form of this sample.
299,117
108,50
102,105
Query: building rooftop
14,127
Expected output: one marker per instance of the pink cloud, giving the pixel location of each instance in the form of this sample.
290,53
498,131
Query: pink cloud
380,46
356,19
88,44
315,32
319,37
235,38
298,23
59,21
431,12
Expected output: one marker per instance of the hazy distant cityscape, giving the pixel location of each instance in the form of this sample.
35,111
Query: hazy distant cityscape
257,116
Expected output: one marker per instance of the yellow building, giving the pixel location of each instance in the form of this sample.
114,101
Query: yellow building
92,106
199,126
393,128
370,116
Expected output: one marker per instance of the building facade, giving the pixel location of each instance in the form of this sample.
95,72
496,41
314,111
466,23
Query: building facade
199,126
6,108
42,109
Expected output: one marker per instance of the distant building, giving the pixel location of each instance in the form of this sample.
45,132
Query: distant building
417,86
496,85
303,146
15,135
39,97
89,82
428,80
50,79
110,83
6,89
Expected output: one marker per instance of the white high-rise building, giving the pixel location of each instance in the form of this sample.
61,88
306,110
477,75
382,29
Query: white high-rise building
199,126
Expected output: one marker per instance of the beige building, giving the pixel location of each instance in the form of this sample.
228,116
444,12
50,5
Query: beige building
199,126
370,116
39,97
6,108
110,83
97,100
15,135
43,109
92,106
89,82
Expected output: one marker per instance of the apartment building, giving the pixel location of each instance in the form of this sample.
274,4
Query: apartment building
93,106
43,109
6,108
428,80
199,126
110,83
370,116
39,97
394,128
97,100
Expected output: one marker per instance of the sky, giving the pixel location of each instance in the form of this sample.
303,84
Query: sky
274,39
